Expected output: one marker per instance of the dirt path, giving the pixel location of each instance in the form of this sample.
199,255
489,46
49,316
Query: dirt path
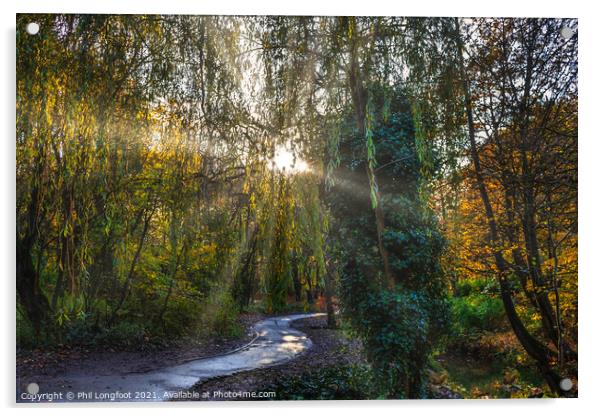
107,359
276,343
331,349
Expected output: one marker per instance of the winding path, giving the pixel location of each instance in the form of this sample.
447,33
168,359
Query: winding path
275,343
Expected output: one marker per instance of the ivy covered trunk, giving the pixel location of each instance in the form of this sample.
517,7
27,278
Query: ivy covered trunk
399,323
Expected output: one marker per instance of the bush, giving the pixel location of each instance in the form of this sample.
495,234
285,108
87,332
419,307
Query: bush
353,382
182,317
26,337
477,313
467,287
218,315
124,334
225,320
81,332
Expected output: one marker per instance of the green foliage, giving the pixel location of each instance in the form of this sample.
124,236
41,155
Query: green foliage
498,377
477,312
371,149
466,287
291,307
25,333
183,318
399,325
124,335
82,332
476,307
279,270
397,328
224,316
345,382
123,218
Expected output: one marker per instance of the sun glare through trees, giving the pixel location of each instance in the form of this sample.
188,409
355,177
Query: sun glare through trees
384,207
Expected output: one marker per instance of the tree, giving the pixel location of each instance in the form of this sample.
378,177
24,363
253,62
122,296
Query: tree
399,324
520,82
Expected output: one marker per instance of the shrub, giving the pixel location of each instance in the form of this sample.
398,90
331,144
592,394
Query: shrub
351,382
80,332
124,334
467,287
477,313
225,320
182,317
26,337
218,315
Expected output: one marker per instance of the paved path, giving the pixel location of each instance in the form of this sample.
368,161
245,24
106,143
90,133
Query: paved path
276,343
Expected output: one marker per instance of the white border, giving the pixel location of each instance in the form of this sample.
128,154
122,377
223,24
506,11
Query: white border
590,159
509,8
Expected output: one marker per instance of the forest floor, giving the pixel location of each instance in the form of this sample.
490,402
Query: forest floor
476,377
458,375
101,360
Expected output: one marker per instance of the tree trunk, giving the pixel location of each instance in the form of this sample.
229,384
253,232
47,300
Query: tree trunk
296,281
359,96
128,280
31,296
172,281
329,289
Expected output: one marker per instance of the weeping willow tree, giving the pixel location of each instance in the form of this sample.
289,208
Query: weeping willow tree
283,241
346,85
133,141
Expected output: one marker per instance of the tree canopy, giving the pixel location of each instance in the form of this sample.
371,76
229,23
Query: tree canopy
173,171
